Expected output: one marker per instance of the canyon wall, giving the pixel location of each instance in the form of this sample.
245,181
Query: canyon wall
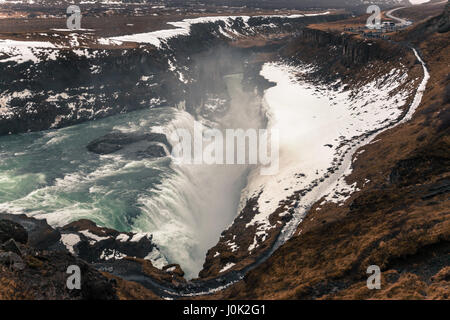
58,87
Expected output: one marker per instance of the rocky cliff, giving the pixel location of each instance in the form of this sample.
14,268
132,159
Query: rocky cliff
349,49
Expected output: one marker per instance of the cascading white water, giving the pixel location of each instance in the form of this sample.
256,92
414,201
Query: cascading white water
199,201
51,175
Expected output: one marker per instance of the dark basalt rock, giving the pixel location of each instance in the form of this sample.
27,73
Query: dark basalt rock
350,51
107,246
52,276
35,269
115,141
121,73
153,151
438,188
38,233
97,244
416,169
12,230
94,286
85,224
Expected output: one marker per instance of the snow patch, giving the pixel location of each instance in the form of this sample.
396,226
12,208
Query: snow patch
227,266
122,237
94,238
23,51
319,129
70,240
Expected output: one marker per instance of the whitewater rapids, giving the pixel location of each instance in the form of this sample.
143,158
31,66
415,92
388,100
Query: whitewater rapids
51,175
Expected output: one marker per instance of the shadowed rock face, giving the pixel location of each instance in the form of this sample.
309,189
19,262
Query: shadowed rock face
37,232
12,230
350,51
113,142
28,273
153,151
102,254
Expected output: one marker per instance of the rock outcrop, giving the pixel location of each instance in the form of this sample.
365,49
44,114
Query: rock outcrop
28,272
103,245
152,145
12,230
39,234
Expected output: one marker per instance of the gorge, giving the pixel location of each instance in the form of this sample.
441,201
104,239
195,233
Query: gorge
86,141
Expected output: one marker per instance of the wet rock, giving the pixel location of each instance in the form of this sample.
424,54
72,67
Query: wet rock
113,142
153,151
12,230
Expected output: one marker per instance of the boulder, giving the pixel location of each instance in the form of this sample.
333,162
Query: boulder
40,234
116,141
12,230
